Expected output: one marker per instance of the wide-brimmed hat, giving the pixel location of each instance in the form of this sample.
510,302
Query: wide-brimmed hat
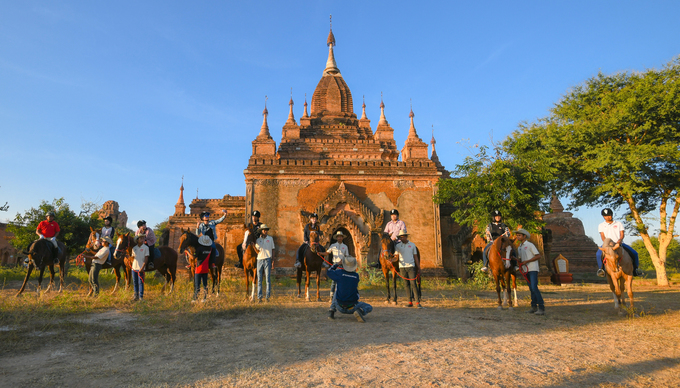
107,239
205,241
264,226
402,233
339,233
137,237
524,232
349,264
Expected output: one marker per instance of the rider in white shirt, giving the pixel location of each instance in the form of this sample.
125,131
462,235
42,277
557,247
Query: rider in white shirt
615,231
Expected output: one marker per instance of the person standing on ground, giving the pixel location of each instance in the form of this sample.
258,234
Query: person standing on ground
140,258
150,237
203,253
409,267
97,261
347,295
614,231
528,261
265,254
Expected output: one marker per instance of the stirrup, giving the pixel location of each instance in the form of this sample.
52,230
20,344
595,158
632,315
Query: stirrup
600,272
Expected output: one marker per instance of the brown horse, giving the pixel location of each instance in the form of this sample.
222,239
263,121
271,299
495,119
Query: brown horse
40,256
249,259
165,264
389,262
619,267
502,275
91,249
188,243
312,262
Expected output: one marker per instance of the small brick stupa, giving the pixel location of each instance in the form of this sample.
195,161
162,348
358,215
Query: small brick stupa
569,239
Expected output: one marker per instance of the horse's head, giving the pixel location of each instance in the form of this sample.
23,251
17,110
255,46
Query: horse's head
186,240
122,245
387,247
610,251
313,237
92,241
505,243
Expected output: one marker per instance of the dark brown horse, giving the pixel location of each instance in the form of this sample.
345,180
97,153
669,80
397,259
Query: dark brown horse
88,254
501,274
249,258
312,262
619,267
188,243
40,256
390,264
165,264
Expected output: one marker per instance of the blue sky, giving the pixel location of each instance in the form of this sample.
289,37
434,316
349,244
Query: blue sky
119,100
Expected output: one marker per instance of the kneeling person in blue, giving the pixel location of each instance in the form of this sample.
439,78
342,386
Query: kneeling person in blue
347,293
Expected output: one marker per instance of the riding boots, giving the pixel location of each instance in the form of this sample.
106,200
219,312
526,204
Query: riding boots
331,315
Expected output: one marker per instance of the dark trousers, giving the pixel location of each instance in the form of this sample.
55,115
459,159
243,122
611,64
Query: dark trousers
152,252
536,297
198,278
94,277
411,285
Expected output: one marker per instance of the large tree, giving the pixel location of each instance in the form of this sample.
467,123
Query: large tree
615,141
490,180
75,228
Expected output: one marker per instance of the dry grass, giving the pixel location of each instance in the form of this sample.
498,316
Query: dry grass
460,339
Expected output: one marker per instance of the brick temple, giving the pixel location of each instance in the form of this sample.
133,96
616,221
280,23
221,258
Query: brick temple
334,163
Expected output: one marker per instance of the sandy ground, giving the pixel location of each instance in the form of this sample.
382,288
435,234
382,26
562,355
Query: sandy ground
460,339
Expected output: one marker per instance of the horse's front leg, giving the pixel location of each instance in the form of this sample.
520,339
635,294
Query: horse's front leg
299,281
507,290
49,287
514,291
318,284
497,279
387,283
116,271
307,285
40,279
394,285
62,274
629,290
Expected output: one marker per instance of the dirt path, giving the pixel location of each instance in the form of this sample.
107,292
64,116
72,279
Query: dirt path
459,340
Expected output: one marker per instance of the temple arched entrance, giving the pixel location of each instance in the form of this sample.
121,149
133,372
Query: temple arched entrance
348,240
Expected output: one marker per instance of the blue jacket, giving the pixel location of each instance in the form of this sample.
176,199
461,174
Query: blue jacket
203,228
347,292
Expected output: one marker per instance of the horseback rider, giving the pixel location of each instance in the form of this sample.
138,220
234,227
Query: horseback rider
614,230
393,227
108,231
494,229
313,225
150,238
252,228
49,229
207,228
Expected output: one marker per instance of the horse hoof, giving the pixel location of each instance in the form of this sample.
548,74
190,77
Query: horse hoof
318,299
387,301
500,307
510,308
394,302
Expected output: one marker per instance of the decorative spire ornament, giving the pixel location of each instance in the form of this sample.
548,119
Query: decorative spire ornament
264,130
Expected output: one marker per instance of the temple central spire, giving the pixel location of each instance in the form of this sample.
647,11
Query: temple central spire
331,66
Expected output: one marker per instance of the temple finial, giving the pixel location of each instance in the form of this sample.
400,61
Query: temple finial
383,120
305,114
412,130
363,107
291,117
264,129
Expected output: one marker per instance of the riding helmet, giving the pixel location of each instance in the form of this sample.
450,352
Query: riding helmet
607,212
140,223
314,215
496,213
255,213
394,211
204,214
51,213
108,218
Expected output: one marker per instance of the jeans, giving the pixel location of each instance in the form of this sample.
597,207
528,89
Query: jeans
536,298
364,308
198,278
138,283
334,287
485,258
411,285
264,269
632,252
94,277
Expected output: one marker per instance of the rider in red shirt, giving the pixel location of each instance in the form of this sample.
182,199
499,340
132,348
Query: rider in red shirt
49,229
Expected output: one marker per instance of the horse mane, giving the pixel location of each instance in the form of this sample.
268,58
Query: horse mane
190,240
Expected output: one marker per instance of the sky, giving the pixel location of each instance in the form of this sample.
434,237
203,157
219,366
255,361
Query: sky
104,100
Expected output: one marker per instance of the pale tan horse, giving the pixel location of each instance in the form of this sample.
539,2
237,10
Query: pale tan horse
619,268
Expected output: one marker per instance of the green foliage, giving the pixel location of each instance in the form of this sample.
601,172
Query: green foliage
477,278
75,228
613,141
672,255
500,181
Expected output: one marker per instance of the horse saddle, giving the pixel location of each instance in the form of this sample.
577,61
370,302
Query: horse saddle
156,252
